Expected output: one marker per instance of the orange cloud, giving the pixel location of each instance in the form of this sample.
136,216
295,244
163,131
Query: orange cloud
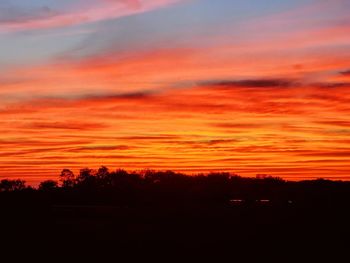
270,106
284,131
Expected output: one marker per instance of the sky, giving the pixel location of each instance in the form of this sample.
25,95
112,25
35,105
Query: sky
249,87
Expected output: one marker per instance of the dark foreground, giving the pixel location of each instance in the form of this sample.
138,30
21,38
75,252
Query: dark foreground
167,217
252,232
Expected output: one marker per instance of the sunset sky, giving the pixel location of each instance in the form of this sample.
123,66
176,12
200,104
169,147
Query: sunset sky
251,87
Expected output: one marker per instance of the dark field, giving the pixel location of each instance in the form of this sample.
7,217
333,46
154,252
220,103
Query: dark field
166,217
245,231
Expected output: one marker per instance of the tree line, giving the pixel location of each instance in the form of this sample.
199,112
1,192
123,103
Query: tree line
164,187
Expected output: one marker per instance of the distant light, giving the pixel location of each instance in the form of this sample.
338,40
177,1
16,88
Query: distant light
236,200
263,200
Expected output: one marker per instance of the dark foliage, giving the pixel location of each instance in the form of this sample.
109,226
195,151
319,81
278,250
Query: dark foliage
147,188
12,185
48,185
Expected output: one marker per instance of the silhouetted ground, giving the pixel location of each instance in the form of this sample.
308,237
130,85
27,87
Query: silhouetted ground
243,231
65,223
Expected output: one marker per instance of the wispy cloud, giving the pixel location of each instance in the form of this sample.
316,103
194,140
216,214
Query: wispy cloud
74,125
252,83
13,18
345,72
10,15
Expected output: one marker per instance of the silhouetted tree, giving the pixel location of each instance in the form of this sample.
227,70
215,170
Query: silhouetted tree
7,185
87,179
165,187
102,172
67,178
48,185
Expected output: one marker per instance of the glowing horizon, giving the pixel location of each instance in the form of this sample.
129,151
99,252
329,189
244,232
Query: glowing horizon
191,86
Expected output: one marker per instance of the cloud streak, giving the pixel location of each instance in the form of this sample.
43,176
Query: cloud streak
285,132
44,17
253,83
